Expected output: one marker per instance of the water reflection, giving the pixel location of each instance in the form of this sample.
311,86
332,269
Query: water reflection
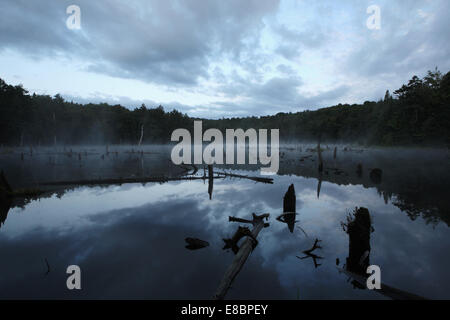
195,244
289,209
310,254
359,227
130,240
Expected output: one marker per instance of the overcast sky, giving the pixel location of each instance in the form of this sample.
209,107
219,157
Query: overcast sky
216,58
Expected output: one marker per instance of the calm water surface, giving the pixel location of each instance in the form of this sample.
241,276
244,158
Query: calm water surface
129,240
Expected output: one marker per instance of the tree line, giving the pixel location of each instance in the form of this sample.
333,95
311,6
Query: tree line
417,114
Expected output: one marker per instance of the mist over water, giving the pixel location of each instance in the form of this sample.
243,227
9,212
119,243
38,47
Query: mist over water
129,239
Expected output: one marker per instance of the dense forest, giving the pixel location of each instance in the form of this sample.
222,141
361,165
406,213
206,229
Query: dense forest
417,114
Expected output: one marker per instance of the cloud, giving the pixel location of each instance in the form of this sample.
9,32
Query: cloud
163,42
227,58
413,38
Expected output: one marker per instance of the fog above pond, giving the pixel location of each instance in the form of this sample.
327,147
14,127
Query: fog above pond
129,239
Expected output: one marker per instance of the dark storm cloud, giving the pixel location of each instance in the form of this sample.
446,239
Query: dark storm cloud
159,41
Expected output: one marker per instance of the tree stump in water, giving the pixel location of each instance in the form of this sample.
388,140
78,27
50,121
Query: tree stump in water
359,230
289,210
289,200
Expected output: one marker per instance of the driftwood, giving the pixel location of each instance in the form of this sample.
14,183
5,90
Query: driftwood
241,256
233,242
387,291
257,179
122,180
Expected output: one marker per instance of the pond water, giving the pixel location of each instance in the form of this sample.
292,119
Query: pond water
129,239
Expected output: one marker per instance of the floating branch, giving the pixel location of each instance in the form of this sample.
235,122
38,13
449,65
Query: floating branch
242,255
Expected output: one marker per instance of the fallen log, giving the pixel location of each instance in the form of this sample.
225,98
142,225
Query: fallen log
257,179
387,291
241,256
121,181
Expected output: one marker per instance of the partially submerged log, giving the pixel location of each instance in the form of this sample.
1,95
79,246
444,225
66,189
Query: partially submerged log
121,181
232,243
385,290
257,179
241,256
